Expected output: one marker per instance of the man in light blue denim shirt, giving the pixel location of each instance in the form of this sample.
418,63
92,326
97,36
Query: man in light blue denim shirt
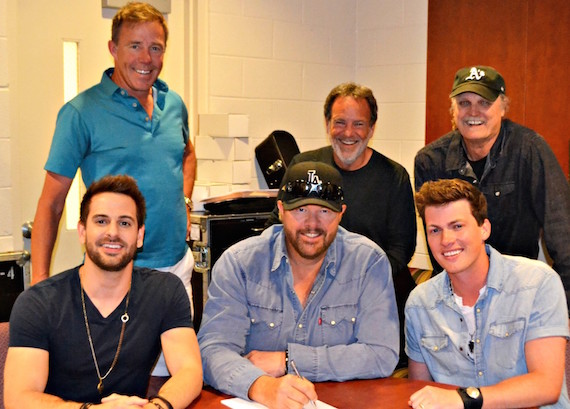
492,324
306,291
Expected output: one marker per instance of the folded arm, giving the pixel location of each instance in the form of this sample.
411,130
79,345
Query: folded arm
182,356
540,386
24,388
374,352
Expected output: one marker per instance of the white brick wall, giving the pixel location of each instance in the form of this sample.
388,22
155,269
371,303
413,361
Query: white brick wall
6,234
392,55
276,60
223,125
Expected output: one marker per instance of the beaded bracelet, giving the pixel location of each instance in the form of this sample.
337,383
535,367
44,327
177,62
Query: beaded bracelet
165,401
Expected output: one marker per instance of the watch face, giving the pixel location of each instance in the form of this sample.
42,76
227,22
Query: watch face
472,392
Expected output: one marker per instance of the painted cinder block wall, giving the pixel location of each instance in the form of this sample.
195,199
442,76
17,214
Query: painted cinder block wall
277,60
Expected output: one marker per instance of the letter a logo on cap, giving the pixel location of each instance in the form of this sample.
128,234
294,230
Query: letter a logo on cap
475,74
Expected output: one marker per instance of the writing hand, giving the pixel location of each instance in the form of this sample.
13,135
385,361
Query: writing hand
289,391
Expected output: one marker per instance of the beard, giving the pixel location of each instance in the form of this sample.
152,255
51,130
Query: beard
309,251
110,263
348,158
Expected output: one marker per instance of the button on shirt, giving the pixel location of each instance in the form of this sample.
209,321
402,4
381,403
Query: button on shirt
524,300
347,330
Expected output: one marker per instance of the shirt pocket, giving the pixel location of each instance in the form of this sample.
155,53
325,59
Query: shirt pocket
337,324
440,354
500,198
506,342
265,329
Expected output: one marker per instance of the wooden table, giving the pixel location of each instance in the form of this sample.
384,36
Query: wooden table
386,393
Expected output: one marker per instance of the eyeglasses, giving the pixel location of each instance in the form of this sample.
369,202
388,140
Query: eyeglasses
325,191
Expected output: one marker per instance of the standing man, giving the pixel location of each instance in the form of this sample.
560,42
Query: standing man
512,165
378,193
495,325
308,292
93,333
129,123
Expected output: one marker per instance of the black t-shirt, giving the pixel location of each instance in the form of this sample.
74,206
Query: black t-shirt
49,316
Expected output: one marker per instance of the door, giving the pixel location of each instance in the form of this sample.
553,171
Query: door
38,34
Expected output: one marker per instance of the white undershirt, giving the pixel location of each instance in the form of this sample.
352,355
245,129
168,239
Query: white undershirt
467,311
469,316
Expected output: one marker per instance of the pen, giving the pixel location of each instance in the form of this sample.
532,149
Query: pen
313,404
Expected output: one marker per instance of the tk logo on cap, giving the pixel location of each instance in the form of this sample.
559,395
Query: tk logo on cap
475,74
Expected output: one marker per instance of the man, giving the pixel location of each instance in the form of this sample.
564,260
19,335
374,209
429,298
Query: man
495,325
307,291
512,165
378,193
129,123
93,333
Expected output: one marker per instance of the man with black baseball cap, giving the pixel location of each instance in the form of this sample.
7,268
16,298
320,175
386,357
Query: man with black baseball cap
513,166
306,294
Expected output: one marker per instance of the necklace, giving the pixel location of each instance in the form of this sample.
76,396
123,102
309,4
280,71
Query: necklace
124,319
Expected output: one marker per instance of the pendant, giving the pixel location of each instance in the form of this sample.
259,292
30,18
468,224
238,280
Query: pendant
125,318
100,387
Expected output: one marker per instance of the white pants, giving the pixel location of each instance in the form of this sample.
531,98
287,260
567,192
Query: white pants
183,269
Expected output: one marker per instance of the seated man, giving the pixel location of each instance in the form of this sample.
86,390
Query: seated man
93,333
495,325
306,291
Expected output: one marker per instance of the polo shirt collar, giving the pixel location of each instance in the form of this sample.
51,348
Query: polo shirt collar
110,87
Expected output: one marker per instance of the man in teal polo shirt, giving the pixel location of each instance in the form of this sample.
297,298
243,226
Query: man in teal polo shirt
129,123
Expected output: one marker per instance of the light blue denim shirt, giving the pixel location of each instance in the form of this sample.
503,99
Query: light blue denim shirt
524,300
347,330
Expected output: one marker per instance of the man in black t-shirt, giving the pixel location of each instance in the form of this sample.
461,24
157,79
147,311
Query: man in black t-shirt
93,333
377,190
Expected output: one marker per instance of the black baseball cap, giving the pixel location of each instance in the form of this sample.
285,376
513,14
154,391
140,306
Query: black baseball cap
481,80
312,183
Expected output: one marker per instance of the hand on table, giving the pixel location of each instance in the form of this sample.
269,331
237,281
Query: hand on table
116,401
431,397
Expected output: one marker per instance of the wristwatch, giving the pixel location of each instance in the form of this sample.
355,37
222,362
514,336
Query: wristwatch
189,203
471,396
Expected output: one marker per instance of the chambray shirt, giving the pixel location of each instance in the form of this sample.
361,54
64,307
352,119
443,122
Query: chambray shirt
348,328
524,300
